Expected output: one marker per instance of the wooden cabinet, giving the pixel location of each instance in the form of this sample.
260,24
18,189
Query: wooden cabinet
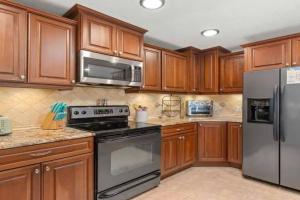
152,69
170,158
268,55
209,69
51,58
104,34
296,51
178,148
13,44
22,183
68,178
212,142
52,171
174,72
235,143
98,35
231,73
193,67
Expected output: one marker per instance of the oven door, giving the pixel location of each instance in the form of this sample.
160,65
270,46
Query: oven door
103,69
123,159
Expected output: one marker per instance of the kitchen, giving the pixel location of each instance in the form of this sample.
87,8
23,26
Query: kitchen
95,106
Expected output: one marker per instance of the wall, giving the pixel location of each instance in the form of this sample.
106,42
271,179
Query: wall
27,107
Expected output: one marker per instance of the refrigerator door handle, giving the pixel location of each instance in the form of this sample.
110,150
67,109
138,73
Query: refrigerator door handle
282,136
276,113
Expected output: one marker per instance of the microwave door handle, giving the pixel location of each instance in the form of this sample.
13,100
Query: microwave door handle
132,74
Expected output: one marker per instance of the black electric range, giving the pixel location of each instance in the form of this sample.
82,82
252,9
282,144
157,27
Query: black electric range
127,154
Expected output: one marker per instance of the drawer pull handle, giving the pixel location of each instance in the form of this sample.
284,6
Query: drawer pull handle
40,154
48,169
178,129
36,171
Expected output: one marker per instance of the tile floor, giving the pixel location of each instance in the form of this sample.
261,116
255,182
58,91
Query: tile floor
216,183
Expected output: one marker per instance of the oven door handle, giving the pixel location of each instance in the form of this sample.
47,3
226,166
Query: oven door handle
122,139
104,194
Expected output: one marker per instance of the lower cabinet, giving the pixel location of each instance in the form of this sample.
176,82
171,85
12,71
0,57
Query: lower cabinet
22,183
62,178
235,143
212,142
178,148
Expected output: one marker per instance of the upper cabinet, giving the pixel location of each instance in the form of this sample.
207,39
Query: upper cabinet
152,69
104,34
37,48
193,67
174,72
209,69
51,51
231,73
13,40
273,53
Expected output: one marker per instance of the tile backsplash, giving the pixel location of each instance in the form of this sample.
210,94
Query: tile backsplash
27,107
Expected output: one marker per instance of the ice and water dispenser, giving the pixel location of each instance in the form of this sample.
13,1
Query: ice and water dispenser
260,110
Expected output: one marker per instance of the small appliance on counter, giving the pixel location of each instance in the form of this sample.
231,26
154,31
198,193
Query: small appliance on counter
199,108
127,154
5,126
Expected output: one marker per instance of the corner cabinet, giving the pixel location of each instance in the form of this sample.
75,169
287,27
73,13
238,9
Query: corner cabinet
178,148
51,51
212,142
209,69
103,34
13,40
174,72
231,73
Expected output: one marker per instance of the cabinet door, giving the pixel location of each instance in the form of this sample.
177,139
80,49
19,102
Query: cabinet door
189,141
174,72
98,35
194,73
21,183
231,74
152,69
270,55
130,44
51,51
13,44
170,155
209,73
69,179
235,143
296,51
212,141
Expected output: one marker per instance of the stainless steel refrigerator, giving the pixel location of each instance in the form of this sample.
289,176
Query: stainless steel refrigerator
271,121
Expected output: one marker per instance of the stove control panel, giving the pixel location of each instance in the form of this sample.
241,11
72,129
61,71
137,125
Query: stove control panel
82,112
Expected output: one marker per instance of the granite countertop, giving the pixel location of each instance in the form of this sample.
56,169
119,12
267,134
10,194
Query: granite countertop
174,121
33,136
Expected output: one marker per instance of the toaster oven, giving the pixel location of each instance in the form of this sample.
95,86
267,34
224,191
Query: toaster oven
199,108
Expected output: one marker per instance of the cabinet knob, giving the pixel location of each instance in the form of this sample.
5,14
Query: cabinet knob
183,137
200,124
73,81
178,129
120,52
294,63
115,52
221,89
287,64
47,168
22,77
194,90
37,171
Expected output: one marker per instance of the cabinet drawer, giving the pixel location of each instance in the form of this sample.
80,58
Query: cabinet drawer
178,129
22,156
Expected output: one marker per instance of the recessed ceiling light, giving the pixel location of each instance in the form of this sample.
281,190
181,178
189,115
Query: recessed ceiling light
152,4
210,32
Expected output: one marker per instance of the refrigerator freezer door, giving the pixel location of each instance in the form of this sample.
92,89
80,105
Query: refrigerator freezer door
290,128
260,139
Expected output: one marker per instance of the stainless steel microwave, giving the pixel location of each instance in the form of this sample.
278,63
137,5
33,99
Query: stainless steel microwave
199,108
100,69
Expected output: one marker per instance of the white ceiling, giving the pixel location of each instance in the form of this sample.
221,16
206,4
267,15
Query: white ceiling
179,23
